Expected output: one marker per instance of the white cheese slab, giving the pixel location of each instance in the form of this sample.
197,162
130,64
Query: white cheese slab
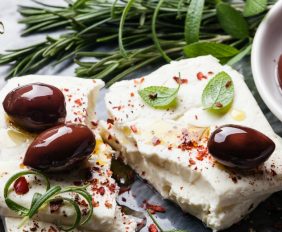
80,96
122,223
200,186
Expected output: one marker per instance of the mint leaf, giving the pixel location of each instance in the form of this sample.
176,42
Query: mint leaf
232,21
219,93
217,50
254,7
193,20
159,97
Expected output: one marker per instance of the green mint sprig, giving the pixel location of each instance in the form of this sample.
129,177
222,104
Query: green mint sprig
160,97
218,94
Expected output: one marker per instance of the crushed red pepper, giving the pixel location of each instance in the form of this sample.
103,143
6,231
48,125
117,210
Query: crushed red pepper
153,228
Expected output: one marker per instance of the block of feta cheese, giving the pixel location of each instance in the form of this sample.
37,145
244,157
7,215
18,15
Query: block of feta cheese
80,96
156,142
122,223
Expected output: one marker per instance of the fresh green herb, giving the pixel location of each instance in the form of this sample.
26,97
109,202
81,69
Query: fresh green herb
219,93
232,21
159,97
220,51
154,33
135,33
245,51
121,25
193,21
41,200
254,7
158,225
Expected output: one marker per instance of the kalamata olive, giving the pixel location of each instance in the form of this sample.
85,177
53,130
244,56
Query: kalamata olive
36,106
60,148
240,147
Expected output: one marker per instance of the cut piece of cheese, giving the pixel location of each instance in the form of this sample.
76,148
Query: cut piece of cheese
122,223
156,143
80,98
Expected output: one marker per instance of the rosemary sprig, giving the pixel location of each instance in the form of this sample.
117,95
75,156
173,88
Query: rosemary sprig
41,200
135,33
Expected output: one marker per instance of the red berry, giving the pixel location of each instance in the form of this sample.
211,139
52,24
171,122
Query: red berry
21,186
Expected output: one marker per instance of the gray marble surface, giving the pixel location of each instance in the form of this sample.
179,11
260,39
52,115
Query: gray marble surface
265,218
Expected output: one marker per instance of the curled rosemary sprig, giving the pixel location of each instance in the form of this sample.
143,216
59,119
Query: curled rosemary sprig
41,200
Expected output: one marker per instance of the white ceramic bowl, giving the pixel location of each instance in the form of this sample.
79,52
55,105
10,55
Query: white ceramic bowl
267,47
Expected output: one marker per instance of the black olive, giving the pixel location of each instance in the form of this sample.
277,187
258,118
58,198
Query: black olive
60,148
240,147
35,107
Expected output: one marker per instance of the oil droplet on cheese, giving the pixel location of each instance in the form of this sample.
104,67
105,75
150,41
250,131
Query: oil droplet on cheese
238,115
17,136
97,149
127,131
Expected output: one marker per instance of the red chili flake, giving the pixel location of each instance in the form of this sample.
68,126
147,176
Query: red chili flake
273,173
94,124
201,153
78,102
112,188
218,104
133,128
153,96
142,80
192,162
153,228
180,81
95,203
186,145
201,76
108,205
210,73
66,90
155,208
101,191
196,117
156,141
117,107
132,94
55,205
228,84
110,121
21,186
